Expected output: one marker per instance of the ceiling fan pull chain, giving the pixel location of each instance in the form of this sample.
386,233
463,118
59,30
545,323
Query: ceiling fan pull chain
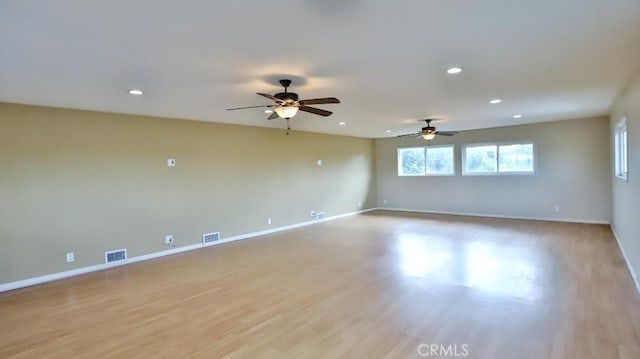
288,127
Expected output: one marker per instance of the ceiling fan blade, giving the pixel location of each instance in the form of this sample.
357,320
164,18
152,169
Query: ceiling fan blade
273,116
272,98
319,101
446,133
411,134
242,108
315,111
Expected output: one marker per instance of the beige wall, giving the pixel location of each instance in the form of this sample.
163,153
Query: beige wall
89,182
626,194
573,159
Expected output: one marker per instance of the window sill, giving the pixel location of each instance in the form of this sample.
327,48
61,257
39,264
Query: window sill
498,174
623,178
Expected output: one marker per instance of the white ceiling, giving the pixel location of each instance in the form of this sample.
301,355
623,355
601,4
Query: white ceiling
386,60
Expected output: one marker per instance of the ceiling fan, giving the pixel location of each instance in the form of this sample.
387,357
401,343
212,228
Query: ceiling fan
287,104
429,132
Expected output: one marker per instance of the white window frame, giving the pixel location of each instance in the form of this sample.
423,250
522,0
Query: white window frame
621,150
425,149
497,172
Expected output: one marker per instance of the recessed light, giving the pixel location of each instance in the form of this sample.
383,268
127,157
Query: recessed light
495,101
454,70
342,123
517,116
268,111
388,131
136,92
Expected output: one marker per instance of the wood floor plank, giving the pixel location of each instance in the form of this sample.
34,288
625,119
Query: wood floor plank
377,285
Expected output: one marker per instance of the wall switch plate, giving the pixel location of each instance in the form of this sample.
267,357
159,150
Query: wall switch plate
171,162
71,257
319,162
168,239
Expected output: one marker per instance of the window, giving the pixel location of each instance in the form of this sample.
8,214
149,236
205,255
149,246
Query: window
515,158
481,159
426,161
411,161
621,149
440,160
498,158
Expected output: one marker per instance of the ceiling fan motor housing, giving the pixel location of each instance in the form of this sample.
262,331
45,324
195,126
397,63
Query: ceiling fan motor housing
287,96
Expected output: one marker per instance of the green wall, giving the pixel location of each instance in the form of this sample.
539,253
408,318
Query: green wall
88,182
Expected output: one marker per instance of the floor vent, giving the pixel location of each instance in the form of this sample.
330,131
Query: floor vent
209,238
320,215
119,255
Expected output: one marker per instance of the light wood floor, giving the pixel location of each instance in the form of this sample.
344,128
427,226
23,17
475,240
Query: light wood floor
370,286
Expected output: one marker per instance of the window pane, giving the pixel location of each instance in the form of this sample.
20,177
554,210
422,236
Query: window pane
623,158
411,161
440,160
621,150
481,159
516,158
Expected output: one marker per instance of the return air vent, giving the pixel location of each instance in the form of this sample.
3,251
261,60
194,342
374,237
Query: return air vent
209,238
320,216
119,255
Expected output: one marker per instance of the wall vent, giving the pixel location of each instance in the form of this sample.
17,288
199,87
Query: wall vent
209,238
119,255
320,215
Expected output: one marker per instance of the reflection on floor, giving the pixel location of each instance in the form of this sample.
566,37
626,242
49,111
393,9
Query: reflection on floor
480,265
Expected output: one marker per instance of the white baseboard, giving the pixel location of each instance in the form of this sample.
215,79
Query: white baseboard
626,259
94,268
570,220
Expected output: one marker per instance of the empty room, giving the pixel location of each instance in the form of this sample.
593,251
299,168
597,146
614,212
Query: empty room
320,179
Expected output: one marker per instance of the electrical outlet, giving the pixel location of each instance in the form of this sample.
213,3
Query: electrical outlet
556,209
269,220
385,201
313,214
359,204
171,162
71,257
168,239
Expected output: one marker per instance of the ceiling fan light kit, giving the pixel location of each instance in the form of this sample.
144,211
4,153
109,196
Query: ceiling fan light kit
286,112
429,136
